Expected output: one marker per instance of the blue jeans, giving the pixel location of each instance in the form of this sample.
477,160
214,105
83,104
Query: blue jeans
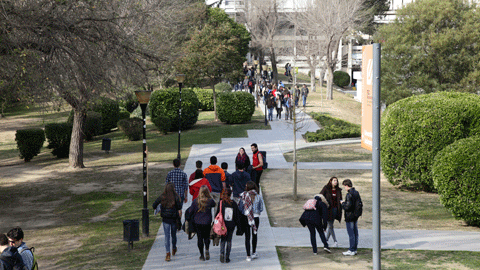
304,98
270,114
170,230
352,230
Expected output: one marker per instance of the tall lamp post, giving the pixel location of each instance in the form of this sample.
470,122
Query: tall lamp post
143,98
180,78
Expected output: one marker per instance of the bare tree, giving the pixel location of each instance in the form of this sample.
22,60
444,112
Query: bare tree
330,20
82,49
263,22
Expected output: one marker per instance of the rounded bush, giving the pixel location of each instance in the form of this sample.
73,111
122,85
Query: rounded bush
29,142
223,87
456,176
58,137
132,128
123,115
110,111
341,78
205,97
415,129
235,107
164,103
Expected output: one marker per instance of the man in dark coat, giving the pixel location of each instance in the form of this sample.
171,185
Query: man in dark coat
350,219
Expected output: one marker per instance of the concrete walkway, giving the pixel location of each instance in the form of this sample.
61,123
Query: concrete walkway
277,141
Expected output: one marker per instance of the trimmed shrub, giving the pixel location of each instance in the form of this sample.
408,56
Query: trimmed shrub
164,107
92,126
132,128
205,97
223,87
123,115
456,176
235,107
58,137
415,129
110,111
332,128
29,142
341,78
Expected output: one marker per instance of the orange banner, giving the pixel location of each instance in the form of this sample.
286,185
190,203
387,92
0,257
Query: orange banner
367,98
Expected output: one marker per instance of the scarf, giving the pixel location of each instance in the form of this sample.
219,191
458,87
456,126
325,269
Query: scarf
248,208
242,158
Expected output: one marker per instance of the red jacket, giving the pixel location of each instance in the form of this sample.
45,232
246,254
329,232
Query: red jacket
195,186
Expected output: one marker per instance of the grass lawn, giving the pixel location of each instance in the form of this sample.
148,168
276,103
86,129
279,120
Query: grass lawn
302,258
74,218
331,153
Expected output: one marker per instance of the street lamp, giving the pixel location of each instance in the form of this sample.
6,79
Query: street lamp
180,78
143,98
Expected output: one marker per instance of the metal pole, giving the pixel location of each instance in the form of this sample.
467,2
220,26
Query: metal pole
145,217
179,119
376,158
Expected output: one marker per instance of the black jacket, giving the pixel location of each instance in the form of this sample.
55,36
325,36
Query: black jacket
316,217
349,204
169,215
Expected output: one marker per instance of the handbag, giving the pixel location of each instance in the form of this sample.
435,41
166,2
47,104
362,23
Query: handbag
219,224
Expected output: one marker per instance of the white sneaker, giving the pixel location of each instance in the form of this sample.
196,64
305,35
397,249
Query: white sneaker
335,244
249,259
254,256
349,253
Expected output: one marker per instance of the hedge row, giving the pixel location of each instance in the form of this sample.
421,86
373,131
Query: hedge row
205,97
235,107
332,128
58,137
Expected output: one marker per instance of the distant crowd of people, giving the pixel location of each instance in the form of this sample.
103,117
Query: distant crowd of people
236,196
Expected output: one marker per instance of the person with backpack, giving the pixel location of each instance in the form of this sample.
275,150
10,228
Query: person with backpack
231,217
170,210
10,259
251,206
315,218
333,194
15,238
353,207
257,164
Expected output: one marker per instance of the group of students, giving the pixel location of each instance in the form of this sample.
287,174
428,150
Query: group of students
14,253
236,196
280,98
326,207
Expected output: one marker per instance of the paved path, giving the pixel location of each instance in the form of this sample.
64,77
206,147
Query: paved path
277,141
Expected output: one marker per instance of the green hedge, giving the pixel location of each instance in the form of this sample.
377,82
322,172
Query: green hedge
332,128
341,78
132,128
58,137
205,97
235,107
415,129
123,115
456,176
164,106
110,111
29,142
223,87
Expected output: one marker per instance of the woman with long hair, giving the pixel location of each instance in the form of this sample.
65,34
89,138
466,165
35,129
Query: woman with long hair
333,194
202,207
170,211
251,206
242,157
231,216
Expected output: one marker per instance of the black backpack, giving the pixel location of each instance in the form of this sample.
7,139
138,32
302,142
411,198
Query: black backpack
264,156
357,211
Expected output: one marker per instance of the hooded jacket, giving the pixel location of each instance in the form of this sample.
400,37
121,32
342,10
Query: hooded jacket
215,176
316,217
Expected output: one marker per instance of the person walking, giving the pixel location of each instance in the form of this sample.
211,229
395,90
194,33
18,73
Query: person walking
316,219
15,239
170,211
304,95
198,181
216,177
243,158
257,164
240,179
231,216
180,180
351,200
251,206
333,194
202,207
10,257
270,106
198,165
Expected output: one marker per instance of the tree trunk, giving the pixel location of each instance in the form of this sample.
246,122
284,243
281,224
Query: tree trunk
294,148
312,79
76,143
214,102
273,59
329,82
